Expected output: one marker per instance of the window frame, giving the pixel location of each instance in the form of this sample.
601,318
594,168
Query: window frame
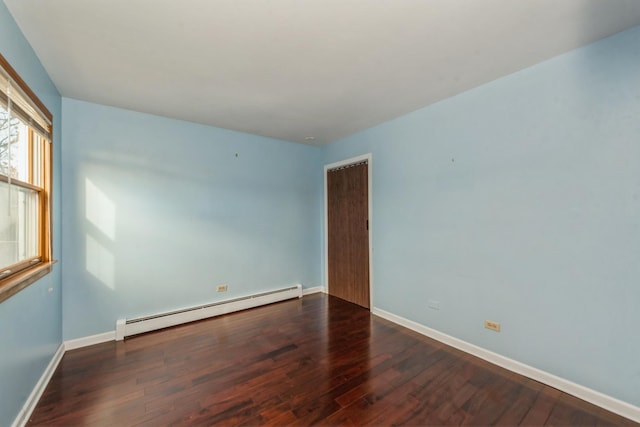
26,272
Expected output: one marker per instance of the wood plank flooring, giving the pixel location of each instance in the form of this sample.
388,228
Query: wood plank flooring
317,360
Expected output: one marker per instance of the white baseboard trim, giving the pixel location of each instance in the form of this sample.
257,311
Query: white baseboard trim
90,340
31,402
314,290
600,399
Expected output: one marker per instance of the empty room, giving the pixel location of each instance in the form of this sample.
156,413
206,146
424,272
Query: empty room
383,212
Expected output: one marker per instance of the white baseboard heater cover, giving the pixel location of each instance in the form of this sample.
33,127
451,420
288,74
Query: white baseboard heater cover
128,327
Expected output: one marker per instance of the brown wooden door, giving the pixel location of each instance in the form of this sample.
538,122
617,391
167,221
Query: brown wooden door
348,233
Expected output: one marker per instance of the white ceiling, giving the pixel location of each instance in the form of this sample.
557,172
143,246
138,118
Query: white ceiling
296,68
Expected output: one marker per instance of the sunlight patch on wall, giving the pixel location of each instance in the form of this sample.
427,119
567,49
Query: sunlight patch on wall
100,209
100,262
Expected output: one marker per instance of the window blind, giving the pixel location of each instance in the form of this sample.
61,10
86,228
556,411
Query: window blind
21,107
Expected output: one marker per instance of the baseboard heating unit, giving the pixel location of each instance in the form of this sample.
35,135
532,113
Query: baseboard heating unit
129,327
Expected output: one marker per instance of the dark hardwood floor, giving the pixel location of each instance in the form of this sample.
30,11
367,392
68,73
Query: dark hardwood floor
317,360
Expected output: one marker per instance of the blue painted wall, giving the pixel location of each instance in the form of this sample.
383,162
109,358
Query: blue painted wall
157,212
519,202
30,322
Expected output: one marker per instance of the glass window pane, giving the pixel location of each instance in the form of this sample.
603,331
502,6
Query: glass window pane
7,138
18,224
14,147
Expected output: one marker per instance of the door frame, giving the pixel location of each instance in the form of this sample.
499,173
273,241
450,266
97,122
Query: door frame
346,162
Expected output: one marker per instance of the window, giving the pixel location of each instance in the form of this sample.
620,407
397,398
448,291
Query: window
25,184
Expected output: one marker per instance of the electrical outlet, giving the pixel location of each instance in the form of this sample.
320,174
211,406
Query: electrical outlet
494,326
221,288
